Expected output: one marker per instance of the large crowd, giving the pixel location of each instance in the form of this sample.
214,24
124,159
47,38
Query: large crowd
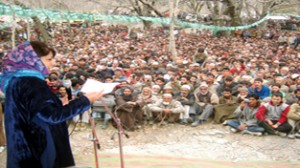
249,81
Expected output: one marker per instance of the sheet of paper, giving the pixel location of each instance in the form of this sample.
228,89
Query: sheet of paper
92,85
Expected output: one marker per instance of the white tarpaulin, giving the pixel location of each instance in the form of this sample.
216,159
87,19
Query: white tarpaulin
279,17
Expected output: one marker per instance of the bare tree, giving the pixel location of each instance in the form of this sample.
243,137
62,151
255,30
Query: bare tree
173,4
229,12
194,6
274,6
145,8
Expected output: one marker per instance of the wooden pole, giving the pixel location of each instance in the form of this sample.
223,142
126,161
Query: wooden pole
94,139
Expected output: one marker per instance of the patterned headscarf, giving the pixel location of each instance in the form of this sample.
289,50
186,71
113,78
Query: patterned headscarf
22,61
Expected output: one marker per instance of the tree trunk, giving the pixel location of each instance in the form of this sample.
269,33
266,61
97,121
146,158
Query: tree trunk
70,31
172,43
234,12
147,24
13,36
213,7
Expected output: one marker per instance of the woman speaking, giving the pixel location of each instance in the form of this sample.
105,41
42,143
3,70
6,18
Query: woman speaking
32,111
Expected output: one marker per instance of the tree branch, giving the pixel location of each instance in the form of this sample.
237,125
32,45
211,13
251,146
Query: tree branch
136,7
253,7
151,7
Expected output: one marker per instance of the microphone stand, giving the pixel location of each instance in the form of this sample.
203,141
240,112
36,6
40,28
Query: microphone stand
94,139
120,132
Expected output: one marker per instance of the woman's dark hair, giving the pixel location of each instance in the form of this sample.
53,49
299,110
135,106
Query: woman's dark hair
41,49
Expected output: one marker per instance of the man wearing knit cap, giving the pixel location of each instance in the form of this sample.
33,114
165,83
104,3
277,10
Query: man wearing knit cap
156,69
187,100
168,89
205,101
167,109
156,91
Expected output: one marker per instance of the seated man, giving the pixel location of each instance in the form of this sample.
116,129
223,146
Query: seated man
295,83
227,104
144,100
246,121
187,100
156,92
205,104
272,116
228,83
243,92
294,119
275,88
167,109
119,75
99,110
258,88
174,83
280,81
128,110
293,97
